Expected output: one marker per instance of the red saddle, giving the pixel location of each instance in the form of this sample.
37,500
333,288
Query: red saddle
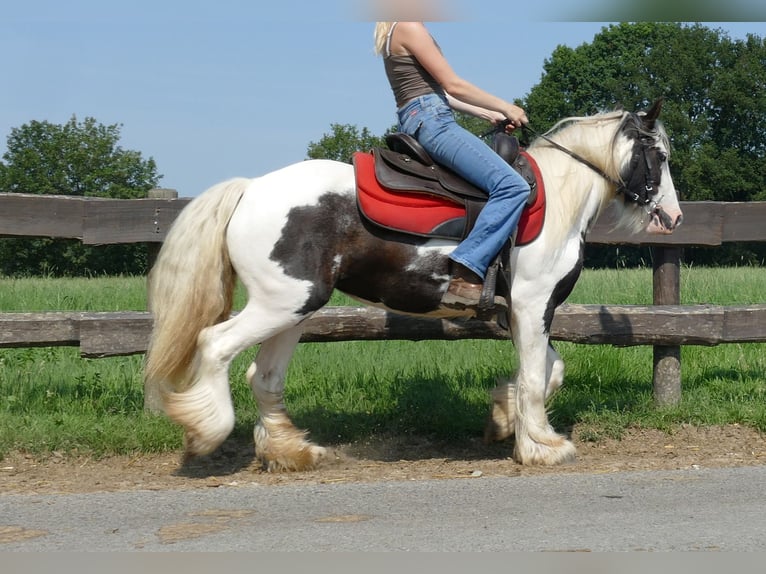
426,213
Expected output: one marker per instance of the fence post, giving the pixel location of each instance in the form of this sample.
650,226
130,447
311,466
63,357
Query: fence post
152,395
153,249
667,291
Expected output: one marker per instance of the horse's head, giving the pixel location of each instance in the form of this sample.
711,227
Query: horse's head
647,187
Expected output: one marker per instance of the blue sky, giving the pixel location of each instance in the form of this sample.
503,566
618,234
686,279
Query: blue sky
213,90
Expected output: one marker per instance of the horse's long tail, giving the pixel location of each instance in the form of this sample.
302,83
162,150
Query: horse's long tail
191,286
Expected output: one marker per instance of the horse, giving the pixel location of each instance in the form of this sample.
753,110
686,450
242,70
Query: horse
295,234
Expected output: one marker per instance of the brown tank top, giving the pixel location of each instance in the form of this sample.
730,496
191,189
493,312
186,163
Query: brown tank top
407,77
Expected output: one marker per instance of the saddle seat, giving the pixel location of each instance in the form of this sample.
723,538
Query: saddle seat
403,189
423,165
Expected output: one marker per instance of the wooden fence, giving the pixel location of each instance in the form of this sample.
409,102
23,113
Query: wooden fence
666,324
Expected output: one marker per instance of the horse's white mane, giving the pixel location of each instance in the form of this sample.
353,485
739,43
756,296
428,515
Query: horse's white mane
584,120
592,145
594,138
612,122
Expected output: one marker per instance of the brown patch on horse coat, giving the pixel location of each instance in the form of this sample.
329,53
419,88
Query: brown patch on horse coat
376,267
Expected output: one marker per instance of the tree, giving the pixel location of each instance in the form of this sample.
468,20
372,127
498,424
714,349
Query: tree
714,111
341,144
81,159
345,139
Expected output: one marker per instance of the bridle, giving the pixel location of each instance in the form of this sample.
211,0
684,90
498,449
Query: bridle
635,190
642,148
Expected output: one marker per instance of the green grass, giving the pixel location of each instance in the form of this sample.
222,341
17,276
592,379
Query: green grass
72,294
53,400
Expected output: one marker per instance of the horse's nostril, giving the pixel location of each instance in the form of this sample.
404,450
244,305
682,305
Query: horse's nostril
679,221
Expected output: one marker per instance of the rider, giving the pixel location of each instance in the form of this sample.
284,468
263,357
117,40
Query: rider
426,88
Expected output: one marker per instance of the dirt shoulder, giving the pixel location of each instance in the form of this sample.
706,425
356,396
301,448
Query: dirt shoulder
383,460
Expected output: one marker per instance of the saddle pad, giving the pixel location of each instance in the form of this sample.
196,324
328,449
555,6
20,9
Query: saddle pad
426,215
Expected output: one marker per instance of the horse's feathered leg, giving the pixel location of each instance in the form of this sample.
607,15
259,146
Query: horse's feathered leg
501,423
205,409
536,441
190,288
278,444
554,372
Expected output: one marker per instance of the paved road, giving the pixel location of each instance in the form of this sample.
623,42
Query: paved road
706,510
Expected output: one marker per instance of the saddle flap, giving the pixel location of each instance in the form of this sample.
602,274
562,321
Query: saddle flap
399,171
438,215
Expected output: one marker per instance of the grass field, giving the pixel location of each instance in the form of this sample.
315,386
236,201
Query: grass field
52,400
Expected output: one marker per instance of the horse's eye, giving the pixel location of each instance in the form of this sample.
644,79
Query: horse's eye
663,156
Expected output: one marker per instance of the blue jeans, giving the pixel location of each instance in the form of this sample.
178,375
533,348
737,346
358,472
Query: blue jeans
430,120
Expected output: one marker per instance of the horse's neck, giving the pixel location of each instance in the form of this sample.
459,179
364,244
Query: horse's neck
575,194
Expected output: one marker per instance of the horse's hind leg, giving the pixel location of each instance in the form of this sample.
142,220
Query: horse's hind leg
502,418
205,409
278,443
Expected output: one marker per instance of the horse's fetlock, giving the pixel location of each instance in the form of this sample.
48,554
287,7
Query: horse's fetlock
282,447
551,450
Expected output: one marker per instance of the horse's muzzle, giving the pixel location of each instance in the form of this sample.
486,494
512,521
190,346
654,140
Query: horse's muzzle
663,222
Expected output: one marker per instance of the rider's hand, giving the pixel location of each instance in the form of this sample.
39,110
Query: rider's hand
516,116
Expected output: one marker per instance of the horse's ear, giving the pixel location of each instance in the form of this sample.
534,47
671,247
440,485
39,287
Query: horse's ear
618,107
651,116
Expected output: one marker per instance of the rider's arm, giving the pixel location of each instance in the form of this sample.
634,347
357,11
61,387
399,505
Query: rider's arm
416,40
476,111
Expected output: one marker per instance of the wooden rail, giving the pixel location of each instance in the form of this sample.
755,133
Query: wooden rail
666,325
127,333
98,221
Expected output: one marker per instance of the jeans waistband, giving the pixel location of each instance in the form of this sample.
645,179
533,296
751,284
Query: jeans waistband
423,102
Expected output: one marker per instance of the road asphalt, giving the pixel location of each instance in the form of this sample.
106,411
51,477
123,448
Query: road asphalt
686,510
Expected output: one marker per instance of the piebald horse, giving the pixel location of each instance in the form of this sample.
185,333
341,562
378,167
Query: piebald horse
294,235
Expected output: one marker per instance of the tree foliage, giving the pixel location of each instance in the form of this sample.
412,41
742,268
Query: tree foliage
341,144
81,159
345,139
76,158
714,89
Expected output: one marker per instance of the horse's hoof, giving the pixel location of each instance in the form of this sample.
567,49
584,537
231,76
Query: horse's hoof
286,450
556,452
307,459
195,444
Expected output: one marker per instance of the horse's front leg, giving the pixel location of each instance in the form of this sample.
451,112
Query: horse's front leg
536,441
501,423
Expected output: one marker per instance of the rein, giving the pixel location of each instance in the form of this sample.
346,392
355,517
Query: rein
526,127
650,204
575,156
